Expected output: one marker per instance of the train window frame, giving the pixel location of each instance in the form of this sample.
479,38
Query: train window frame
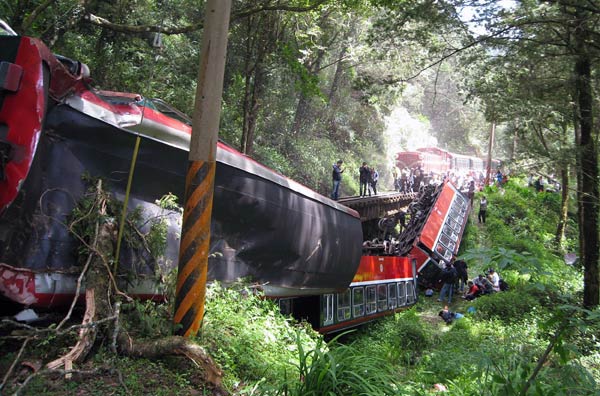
361,305
327,309
344,310
382,298
401,294
371,300
410,297
392,301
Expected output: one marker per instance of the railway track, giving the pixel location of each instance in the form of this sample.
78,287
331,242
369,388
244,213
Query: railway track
377,206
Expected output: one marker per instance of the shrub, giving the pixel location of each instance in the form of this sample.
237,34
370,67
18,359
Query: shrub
400,339
509,306
249,338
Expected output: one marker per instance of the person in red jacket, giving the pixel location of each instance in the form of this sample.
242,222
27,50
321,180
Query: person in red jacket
473,291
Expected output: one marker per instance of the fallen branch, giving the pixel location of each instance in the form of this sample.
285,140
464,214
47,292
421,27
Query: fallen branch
87,336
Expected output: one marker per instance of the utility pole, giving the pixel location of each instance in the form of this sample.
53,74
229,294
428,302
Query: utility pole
488,170
200,177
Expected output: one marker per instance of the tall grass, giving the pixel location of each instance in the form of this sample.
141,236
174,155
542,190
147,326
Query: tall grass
494,350
339,370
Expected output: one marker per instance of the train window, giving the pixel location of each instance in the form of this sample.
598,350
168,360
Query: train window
343,305
358,302
401,294
382,298
444,239
456,226
442,251
285,306
410,293
455,216
371,300
460,202
447,230
454,237
448,244
451,223
392,296
327,311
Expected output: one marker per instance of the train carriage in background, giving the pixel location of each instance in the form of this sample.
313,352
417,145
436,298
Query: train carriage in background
442,162
460,163
477,165
426,161
443,157
301,248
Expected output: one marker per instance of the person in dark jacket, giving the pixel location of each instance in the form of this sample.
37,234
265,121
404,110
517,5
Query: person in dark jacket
485,286
448,278
363,173
462,273
483,203
336,176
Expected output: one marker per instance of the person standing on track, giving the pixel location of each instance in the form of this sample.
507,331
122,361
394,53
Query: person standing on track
336,176
395,177
364,172
374,180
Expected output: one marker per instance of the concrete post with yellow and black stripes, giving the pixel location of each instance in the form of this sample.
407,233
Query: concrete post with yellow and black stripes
199,183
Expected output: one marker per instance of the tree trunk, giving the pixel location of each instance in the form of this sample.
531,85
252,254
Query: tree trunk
589,178
337,76
248,71
564,206
262,33
301,111
175,345
254,107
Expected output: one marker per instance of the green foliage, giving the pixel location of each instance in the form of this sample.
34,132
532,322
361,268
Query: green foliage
343,369
399,340
142,232
249,338
147,319
509,306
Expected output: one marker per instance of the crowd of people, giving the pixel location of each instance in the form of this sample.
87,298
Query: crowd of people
411,180
368,178
454,279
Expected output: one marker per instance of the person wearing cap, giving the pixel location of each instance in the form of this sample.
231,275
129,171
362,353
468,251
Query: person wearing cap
336,176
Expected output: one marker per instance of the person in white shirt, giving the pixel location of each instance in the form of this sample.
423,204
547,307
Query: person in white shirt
494,278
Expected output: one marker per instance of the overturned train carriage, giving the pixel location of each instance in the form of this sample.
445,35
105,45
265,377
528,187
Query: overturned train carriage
55,129
388,274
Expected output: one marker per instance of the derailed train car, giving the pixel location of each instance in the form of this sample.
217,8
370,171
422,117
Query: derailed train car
56,128
387,277
299,246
